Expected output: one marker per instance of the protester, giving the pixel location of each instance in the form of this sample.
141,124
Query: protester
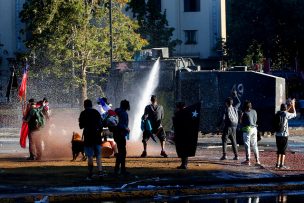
43,105
282,131
230,122
35,120
186,125
91,123
155,114
120,133
250,134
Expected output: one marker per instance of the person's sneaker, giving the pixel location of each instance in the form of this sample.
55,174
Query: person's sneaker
246,163
277,166
284,167
163,153
236,158
182,167
143,154
224,157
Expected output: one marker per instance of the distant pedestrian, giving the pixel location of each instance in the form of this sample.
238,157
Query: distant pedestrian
154,113
120,133
282,131
230,122
91,123
250,134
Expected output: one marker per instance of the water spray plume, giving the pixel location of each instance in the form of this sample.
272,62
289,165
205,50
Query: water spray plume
144,100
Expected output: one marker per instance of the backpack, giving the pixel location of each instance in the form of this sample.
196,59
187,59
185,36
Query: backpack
233,116
145,125
279,121
39,118
111,119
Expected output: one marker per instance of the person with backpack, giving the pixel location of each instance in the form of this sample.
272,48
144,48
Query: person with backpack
35,120
91,123
282,131
230,122
155,114
120,133
250,134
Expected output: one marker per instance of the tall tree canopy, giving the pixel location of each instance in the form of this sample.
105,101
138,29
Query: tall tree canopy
72,37
153,23
276,27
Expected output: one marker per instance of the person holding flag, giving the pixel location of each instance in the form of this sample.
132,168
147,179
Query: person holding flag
186,127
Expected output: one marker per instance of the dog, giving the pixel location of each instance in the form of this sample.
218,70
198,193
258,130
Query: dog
77,146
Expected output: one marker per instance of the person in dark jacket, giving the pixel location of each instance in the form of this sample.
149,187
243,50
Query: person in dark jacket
120,133
91,123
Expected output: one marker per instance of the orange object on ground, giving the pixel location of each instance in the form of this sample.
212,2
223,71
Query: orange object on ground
106,149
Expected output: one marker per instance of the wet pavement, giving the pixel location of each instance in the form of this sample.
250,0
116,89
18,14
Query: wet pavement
62,180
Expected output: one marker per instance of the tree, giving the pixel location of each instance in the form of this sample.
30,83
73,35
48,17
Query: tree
71,37
153,23
277,26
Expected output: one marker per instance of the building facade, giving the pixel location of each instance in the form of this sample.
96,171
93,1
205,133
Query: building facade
199,24
11,41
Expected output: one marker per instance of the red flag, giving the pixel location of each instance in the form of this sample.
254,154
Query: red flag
22,88
23,134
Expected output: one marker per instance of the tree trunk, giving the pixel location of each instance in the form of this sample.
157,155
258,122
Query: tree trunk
84,94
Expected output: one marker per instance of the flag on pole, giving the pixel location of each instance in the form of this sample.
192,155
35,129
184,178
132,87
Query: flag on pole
23,134
104,105
22,88
186,128
22,94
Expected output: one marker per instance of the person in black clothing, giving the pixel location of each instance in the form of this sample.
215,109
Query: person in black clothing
155,114
120,133
230,122
91,123
186,128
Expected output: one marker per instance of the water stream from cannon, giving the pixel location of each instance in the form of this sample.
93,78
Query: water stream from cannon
144,99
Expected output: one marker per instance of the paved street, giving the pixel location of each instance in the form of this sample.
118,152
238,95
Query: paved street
58,177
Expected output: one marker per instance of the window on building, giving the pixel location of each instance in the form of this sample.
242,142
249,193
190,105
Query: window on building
190,36
191,5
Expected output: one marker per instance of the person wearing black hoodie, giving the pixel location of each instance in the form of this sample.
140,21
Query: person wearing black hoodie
120,133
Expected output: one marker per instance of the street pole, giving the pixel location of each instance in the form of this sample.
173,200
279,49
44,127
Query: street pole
111,37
